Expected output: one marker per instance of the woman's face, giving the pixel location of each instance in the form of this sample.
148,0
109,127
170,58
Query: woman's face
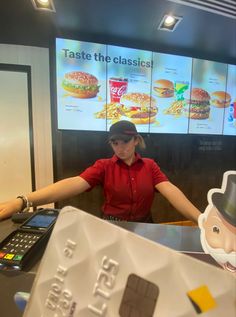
124,149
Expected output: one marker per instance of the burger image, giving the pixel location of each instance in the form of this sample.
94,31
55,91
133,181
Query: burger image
140,108
80,84
220,99
163,88
198,106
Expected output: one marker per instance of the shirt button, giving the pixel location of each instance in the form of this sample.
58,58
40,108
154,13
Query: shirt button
132,179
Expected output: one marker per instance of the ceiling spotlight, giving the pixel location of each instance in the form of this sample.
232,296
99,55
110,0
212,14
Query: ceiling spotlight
46,5
44,2
169,22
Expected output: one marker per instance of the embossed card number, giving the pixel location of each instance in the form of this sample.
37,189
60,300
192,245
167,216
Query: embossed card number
105,282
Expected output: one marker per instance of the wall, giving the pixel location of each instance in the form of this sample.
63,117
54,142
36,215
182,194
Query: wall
195,163
16,160
38,59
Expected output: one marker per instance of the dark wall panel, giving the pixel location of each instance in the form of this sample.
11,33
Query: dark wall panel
194,163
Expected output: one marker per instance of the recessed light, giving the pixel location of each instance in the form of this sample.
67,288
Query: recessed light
46,5
169,22
44,2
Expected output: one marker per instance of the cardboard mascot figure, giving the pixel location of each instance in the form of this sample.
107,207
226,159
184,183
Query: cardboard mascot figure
218,223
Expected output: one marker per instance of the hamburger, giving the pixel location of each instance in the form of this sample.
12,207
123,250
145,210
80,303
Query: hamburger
140,108
163,88
80,84
220,99
198,106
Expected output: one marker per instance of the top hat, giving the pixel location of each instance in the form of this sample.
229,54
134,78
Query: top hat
226,202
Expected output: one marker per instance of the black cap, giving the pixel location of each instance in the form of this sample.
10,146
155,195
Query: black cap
122,130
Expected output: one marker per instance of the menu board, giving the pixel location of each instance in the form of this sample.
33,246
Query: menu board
98,85
208,82
230,101
171,77
129,86
81,85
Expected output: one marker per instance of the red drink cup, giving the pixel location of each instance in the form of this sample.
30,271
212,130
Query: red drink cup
118,87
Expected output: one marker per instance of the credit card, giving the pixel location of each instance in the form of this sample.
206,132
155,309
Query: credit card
94,268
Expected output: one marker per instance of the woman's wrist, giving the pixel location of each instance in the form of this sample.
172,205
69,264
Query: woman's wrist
25,203
18,205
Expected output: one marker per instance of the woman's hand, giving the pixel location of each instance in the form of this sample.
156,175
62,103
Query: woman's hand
60,190
7,209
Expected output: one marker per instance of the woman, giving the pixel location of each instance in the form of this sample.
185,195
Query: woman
129,182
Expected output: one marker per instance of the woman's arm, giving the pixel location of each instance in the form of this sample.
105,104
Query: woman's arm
63,189
178,200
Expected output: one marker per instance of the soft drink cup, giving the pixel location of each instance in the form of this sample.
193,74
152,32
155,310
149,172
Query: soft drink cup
118,87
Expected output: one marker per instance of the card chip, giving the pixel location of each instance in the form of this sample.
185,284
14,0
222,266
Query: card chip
201,299
139,298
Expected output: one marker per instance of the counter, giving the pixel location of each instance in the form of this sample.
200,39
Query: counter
180,238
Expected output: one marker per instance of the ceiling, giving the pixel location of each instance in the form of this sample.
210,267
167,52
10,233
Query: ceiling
131,23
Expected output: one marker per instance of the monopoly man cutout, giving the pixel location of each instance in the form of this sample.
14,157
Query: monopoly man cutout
218,223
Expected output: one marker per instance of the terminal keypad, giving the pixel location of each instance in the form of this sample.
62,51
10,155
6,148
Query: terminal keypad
18,245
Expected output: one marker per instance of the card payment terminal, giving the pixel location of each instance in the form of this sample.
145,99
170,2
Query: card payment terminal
28,241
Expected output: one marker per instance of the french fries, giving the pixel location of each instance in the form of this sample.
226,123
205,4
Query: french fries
175,108
110,111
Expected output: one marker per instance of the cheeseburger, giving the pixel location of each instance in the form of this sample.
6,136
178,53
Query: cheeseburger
80,84
220,99
139,107
163,88
198,106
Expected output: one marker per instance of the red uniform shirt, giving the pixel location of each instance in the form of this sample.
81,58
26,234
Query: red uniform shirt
128,190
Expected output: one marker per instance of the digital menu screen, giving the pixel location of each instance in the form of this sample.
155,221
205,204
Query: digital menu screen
208,82
81,85
230,102
171,78
129,86
98,85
